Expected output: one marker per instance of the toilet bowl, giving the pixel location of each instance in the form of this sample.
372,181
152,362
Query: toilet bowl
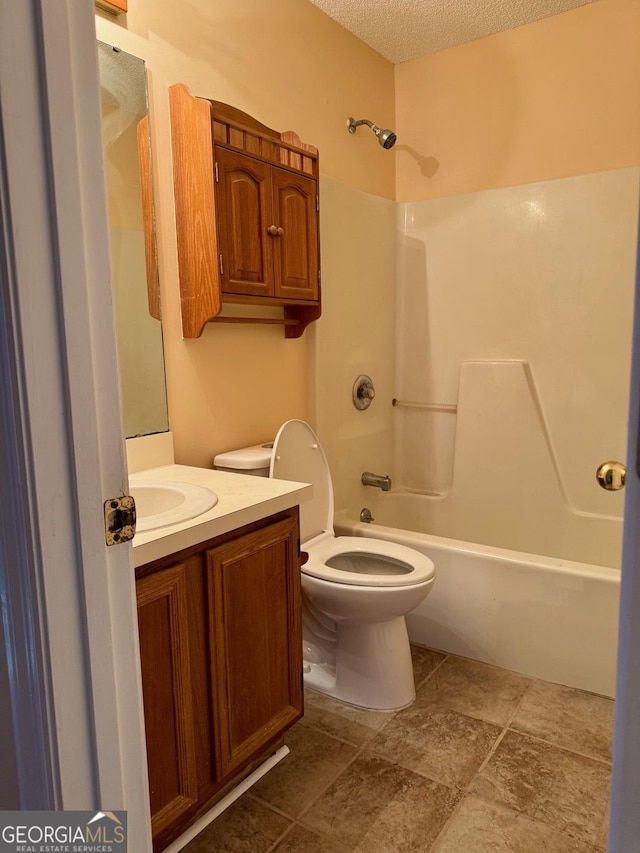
356,591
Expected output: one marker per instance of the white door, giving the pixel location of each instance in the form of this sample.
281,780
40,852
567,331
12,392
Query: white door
71,731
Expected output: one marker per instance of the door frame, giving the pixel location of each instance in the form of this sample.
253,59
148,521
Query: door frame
76,728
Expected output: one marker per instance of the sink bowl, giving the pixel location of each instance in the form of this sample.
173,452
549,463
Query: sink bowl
163,504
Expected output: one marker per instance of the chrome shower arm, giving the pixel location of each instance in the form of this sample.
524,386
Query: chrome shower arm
353,123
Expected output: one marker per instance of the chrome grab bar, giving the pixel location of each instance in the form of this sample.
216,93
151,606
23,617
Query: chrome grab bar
451,408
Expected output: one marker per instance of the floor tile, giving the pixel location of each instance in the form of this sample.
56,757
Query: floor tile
549,784
446,746
377,806
315,759
341,720
302,840
247,826
479,825
424,662
568,718
474,688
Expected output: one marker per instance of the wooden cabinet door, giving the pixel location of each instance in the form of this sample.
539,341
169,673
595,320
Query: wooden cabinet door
296,217
243,212
254,600
166,685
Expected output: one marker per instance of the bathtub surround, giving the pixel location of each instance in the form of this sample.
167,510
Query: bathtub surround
355,334
517,460
541,400
506,481
485,760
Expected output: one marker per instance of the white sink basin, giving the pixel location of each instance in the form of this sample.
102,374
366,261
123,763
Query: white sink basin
163,504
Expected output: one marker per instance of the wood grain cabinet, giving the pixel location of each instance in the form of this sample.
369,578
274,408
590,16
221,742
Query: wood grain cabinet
246,215
115,7
221,652
267,229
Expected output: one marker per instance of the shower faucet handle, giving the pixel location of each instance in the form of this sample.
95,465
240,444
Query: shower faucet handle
367,391
363,392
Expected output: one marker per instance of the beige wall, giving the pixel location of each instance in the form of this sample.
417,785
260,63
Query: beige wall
548,100
291,67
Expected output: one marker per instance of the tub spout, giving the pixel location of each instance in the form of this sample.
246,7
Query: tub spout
369,479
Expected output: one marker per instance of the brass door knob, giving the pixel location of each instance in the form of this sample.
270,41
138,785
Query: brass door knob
611,476
279,231
272,229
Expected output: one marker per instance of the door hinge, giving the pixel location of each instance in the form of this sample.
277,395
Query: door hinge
216,171
317,202
318,275
221,265
119,520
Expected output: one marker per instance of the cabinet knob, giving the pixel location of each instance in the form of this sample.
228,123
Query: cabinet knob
272,230
280,232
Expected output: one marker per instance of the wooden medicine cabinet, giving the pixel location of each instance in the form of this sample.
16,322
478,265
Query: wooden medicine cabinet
115,7
246,216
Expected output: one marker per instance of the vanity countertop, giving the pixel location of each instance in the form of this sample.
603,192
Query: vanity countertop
242,499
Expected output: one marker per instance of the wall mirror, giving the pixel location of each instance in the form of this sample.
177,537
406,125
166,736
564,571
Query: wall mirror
125,132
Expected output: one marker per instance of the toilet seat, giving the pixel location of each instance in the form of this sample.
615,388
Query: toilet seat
357,561
360,561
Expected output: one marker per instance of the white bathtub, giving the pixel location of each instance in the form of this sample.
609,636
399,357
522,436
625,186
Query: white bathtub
547,618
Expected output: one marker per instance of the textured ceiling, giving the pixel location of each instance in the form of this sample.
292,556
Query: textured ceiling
406,29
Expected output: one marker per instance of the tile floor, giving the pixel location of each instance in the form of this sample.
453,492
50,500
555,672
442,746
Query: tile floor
485,760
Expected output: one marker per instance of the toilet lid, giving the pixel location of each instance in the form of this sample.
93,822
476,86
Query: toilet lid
298,455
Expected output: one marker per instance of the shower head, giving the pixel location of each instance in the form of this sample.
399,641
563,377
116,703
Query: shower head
386,138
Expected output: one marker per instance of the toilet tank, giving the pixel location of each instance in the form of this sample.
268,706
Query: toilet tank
253,460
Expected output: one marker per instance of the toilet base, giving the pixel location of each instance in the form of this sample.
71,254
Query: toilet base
373,667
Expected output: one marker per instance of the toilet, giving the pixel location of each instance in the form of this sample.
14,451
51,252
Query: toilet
356,591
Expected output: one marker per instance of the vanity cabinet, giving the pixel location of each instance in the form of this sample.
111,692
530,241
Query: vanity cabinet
246,216
221,653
